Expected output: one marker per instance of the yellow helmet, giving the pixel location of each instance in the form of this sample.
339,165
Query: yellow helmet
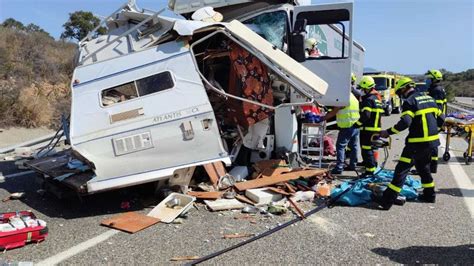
367,82
353,77
402,83
310,43
434,74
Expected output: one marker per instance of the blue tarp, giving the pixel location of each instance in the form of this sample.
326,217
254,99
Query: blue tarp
360,193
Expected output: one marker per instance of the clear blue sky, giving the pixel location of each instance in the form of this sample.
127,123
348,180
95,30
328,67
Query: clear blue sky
407,36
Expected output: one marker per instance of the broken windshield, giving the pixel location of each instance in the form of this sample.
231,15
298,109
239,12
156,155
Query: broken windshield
271,26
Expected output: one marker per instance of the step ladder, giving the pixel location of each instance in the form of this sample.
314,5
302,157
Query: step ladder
312,142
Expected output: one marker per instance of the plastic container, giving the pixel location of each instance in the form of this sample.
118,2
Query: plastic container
181,204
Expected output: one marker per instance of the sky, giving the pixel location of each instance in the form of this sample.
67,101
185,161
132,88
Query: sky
406,36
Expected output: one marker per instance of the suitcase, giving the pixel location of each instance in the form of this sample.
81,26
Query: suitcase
13,234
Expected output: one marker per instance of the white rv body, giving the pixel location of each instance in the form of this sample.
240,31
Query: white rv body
164,120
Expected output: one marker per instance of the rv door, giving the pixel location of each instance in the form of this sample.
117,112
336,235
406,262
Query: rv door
328,47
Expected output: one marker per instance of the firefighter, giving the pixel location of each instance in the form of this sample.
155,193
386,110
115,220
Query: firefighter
435,90
370,122
422,118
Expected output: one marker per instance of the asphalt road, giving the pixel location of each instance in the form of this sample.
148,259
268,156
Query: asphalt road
414,233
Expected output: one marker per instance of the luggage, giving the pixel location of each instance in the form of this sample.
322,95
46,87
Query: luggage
19,228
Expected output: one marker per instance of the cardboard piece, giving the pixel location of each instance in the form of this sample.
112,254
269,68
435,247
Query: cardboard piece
130,222
267,181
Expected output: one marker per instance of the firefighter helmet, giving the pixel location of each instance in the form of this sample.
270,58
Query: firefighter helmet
310,43
367,83
402,83
353,77
434,74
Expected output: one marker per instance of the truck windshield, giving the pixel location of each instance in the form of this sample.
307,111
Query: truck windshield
380,84
271,26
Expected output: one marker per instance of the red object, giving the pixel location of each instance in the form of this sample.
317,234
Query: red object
20,237
311,109
328,147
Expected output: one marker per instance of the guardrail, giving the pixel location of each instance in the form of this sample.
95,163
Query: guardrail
454,107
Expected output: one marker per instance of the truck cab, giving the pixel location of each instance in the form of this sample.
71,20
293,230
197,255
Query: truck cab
385,85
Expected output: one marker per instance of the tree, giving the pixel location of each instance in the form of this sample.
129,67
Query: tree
80,23
13,23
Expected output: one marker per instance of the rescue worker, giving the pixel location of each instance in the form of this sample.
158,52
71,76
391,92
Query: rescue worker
357,93
311,48
422,118
435,90
369,122
348,135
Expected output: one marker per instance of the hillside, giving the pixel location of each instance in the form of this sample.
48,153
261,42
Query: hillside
35,73
459,84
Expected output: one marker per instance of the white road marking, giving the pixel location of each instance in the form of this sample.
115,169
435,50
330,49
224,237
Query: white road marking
19,174
78,248
462,179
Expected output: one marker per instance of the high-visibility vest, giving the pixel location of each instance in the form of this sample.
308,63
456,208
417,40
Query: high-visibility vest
347,116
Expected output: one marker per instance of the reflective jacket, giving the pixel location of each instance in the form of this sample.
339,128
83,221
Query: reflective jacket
422,118
347,116
370,114
439,94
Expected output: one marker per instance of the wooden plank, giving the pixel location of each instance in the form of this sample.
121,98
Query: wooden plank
267,181
211,172
219,166
130,222
244,199
298,210
290,188
206,195
279,191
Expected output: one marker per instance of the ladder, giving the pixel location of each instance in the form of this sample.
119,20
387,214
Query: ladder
312,142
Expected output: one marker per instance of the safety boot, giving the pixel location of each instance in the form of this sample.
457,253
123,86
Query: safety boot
385,201
428,195
433,166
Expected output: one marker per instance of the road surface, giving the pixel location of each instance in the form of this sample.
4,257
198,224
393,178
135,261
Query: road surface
415,233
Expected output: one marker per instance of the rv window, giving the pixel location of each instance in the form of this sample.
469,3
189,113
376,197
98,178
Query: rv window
271,26
119,93
155,83
141,87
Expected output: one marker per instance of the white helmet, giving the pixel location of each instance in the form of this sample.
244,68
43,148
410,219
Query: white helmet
310,43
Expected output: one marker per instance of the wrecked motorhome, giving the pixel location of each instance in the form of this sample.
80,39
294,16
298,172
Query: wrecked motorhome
162,94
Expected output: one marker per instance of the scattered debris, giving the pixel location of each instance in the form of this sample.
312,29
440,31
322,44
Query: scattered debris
229,195
244,199
303,196
130,222
298,210
224,204
262,195
171,207
250,209
237,235
184,258
271,180
14,196
205,194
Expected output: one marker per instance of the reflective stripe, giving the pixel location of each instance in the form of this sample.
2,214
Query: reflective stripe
427,110
429,185
423,139
365,147
373,110
405,160
394,130
371,170
359,123
375,129
434,158
394,188
410,113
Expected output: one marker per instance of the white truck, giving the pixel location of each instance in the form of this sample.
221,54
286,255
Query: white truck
160,95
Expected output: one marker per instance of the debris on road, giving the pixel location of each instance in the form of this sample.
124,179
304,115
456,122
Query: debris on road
184,258
224,204
171,207
14,196
130,222
236,235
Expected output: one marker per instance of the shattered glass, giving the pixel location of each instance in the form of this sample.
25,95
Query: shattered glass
271,26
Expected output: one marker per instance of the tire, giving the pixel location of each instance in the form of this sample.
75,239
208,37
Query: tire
388,109
446,156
